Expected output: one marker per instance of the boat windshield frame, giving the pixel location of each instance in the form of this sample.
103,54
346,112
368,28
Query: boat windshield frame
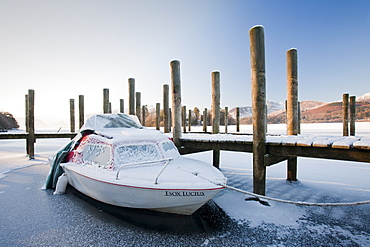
146,163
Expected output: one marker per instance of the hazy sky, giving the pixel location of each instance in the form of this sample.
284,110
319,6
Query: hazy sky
62,49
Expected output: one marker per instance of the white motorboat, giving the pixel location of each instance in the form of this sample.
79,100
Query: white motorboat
117,161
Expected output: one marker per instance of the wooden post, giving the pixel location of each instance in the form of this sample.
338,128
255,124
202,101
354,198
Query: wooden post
121,106
216,102
157,116
166,109
216,113
143,113
176,100
184,118
257,53
352,110
292,92
131,96
106,100
27,113
27,121
170,124
226,118
299,117
205,119
345,114
189,120
292,107
138,106
81,107
72,115
31,123
266,122
237,119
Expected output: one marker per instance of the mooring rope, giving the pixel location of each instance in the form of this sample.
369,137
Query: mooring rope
339,204
293,202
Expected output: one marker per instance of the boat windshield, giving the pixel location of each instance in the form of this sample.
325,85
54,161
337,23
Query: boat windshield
170,149
107,121
98,154
135,153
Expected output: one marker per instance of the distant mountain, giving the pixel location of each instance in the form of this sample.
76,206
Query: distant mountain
364,98
310,104
312,111
50,123
246,111
305,106
321,112
332,112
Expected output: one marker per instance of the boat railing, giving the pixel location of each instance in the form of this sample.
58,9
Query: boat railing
167,160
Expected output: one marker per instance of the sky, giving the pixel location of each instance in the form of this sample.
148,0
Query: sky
63,49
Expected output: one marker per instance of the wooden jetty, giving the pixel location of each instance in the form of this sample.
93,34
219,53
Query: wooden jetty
280,148
37,135
267,150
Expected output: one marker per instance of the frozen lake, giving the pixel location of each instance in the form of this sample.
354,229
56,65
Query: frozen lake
32,217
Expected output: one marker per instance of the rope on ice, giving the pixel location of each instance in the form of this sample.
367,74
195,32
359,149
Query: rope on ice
293,202
284,201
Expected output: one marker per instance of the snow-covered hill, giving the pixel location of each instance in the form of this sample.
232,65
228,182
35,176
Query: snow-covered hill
365,97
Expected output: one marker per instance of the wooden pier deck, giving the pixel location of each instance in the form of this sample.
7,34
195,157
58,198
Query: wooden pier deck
37,135
282,147
278,147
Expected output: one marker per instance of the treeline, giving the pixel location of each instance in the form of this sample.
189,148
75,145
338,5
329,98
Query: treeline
7,121
196,118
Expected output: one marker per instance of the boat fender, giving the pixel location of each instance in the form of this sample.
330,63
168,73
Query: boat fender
61,184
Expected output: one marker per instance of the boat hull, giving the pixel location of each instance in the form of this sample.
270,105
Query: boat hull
168,200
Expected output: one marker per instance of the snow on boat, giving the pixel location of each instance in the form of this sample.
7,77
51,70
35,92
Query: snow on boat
117,161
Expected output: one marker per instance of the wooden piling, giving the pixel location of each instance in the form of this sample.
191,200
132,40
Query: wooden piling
106,100
31,124
216,102
299,117
131,96
257,54
345,113
157,116
352,118
205,120
143,115
226,118
184,119
138,105
292,92
292,107
166,109
176,100
170,124
27,121
27,112
81,110
216,113
121,106
189,120
237,119
72,115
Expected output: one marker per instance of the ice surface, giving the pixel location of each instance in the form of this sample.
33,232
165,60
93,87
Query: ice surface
319,180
